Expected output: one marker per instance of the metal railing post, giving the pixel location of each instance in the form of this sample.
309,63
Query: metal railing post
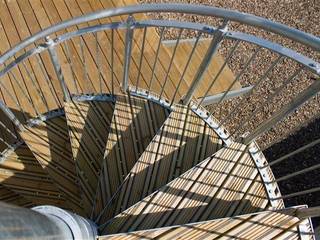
313,89
213,47
57,68
129,36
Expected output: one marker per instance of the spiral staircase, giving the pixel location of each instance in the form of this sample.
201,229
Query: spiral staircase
105,132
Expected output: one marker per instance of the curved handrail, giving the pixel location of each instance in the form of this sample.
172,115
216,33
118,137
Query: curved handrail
306,61
278,28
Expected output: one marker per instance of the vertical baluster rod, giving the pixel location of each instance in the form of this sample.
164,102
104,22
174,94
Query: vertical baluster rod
156,58
141,56
213,47
128,47
186,66
304,96
171,61
57,67
219,72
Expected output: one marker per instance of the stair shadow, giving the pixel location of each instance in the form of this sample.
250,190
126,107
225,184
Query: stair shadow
88,147
302,160
33,190
168,162
123,154
8,129
175,216
224,228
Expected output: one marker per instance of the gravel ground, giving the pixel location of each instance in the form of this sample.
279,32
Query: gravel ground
298,129
303,15
308,158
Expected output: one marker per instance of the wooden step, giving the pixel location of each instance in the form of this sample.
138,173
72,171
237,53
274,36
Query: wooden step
89,123
183,141
225,78
134,124
9,196
21,173
33,80
33,16
49,142
281,224
212,189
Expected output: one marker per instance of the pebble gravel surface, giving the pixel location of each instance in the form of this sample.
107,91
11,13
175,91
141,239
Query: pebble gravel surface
299,128
300,14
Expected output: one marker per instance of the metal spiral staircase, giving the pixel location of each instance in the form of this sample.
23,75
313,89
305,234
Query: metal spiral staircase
105,134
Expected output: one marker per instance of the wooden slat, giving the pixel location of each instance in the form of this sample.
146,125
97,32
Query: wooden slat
134,124
22,173
7,40
89,123
183,141
282,224
12,17
223,81
21,19
207,191
49,142
8,196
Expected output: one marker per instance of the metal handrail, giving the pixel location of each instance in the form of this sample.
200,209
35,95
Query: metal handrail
278,28
218,35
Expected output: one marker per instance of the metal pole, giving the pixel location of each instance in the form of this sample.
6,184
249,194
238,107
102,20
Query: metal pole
57,68
305,147
214,45
22,223
44,222
313,89
128,47
308,212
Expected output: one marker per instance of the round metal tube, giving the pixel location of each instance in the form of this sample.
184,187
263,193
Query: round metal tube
80,227
291,33
43,222
22,223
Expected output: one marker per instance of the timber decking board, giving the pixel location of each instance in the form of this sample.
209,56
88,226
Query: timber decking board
196,195
22,173
50,144
89,123
20,19
8,196
13,19
135,120
226,76
176,148
282,224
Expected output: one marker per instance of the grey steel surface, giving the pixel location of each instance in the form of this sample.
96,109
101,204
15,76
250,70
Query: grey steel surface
294,34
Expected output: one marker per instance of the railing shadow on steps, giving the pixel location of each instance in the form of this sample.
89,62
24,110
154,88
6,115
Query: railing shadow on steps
101,58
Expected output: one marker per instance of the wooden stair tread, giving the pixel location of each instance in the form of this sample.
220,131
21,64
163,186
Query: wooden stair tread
9,196
281,224
22,173
88,123
49,142
223,81
135,120
202,193
33,16
16,28
183,141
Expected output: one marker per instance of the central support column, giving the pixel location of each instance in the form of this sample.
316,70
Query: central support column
43,222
